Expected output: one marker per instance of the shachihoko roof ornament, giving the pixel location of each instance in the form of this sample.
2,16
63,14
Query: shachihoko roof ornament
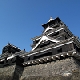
50,19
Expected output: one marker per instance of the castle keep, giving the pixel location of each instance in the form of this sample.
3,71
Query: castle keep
55,55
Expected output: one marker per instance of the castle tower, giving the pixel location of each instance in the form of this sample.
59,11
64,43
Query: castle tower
56,42
54,32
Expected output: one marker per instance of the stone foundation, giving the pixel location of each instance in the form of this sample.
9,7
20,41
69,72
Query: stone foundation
67,69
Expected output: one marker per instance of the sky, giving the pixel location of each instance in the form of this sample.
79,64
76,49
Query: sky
21,20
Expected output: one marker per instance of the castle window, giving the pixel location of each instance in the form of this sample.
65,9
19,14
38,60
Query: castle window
28,58
2,62
59,50
52,25
43,55
44,44
77,49
66,37
55,34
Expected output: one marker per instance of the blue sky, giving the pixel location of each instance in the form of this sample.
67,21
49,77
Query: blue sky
21,20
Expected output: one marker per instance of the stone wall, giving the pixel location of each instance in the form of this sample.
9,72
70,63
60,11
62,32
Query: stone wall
67,69
7,72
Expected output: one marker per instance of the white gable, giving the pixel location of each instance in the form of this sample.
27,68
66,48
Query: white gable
10,57
45,38
48,28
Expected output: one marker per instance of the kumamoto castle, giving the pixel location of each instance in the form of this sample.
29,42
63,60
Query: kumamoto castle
55,55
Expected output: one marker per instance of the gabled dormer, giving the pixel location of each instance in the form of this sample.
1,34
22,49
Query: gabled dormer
52,23
43,39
